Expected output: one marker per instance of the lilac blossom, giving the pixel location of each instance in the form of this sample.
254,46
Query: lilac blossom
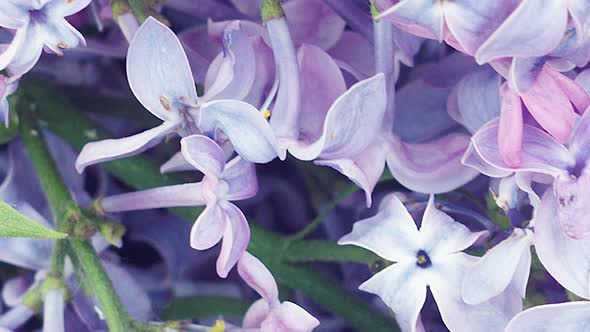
571,316
427,257
566,165
38,24
268,313
163,84
221,184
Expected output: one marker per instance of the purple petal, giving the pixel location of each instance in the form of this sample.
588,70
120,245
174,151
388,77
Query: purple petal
259,278
235,238
403,288
574,200
28,52
564,258
235,71
550,106
12,16
423,18
246,128
158,70
540,152
478,97
350,123
321,84
285,113
204,154
130,291
16,317
176,163
580,141
240,177
490,276
472,22
13,49
432,167
111,149
209,227
442,235
353,53
248,7
313,22
510,127
570,316
517,37
472,158
65,8
364,169
188,194
391,233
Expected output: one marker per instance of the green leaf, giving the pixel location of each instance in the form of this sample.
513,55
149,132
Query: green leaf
201,307
14,224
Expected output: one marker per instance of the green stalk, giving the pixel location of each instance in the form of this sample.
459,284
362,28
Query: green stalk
65,211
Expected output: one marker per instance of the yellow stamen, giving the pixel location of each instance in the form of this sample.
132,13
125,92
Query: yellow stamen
62,45
421,259
218,327
266,114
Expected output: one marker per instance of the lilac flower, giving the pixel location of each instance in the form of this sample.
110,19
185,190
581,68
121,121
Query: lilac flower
514,38
550,97
38,24
541,153
570,316
429,257
221,184
465,25
269,314
161,80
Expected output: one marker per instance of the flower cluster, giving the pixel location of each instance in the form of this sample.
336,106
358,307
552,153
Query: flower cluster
465,120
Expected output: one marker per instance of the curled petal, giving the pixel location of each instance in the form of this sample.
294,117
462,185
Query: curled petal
432,167
350,123
188,194
257,312
204,154
158,70
364,169
259,278
111,149
240,177
235,238
540,152
248,131
391,233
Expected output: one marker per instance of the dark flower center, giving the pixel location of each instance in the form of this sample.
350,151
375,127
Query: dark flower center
38,15
422,259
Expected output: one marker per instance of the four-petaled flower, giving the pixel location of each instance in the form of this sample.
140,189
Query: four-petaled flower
429,257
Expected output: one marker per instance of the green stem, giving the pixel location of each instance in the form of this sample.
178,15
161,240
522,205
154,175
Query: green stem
115,313
58,257
64,210
326,251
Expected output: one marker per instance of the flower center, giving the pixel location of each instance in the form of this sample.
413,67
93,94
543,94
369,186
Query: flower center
38,16
422,259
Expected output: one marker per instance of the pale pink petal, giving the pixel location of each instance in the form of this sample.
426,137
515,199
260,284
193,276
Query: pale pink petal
259,278
289,317
510,127
235,238
423,18
204,154
257,312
